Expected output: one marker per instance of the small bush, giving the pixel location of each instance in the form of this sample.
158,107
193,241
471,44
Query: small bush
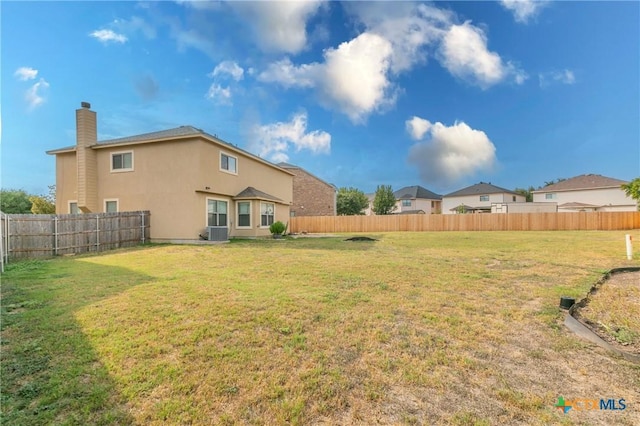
277,228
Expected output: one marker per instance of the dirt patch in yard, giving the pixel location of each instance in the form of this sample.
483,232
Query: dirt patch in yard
612,311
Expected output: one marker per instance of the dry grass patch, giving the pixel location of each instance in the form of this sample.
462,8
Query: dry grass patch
415,328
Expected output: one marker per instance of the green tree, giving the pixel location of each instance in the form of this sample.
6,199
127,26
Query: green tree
528,193
632,189
40,205
384,201
351,201
14,201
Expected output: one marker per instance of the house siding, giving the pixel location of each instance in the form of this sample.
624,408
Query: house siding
311,196
449,203
606,199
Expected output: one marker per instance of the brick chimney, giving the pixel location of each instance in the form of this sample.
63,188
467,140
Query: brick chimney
87,136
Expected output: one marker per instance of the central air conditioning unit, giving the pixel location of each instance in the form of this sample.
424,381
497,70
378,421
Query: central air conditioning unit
217,233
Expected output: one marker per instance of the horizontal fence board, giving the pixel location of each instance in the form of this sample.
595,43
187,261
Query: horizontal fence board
27,235
605,221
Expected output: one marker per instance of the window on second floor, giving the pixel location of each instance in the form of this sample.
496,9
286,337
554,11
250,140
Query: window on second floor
550,196
228,163
406,203
122,161
484,198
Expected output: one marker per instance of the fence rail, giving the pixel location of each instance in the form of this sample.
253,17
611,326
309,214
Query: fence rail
605,221
45,235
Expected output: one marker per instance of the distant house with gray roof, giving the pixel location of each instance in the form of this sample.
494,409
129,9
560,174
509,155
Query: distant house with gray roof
478,198
588,192
417,200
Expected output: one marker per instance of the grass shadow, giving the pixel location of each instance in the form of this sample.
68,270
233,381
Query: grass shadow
50,371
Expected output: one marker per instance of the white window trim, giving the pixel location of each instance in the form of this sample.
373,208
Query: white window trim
487,196
220,163
260,214
250,214
120,170
69,206
206,210
107,200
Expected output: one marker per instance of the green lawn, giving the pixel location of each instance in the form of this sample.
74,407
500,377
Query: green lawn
415,328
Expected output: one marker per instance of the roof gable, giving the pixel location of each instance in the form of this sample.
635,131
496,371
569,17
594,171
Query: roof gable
288,166
588,181
250,193
414,192
481,188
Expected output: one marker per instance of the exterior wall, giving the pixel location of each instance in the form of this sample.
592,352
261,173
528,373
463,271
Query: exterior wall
524,208
611,199
449,203
428,206
66,181
311,196
86,135
165,178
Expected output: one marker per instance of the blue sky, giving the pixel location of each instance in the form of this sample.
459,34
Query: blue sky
440,94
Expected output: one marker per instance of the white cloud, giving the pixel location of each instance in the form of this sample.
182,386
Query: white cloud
278,26
451,152
352,79
133,25
272,141
230,68
417,127
523,10
562,77
106,36
465,54
219,94
35,94
25,73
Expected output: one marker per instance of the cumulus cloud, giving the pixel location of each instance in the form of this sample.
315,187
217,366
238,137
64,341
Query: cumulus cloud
450,152
35,95
352,78
25,73
219,94
281,26
107,36
561,77
465,54
524,10
272,141
229,68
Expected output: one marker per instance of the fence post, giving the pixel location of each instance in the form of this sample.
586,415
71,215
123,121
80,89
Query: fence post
142,227
55,235
97,233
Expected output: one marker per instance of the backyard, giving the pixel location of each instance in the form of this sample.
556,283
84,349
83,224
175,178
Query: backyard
426,328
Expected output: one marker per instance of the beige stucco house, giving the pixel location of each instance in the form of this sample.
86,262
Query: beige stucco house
478,198
417,200
588,192
192,182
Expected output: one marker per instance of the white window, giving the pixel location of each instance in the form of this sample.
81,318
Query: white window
244,214
216,212
111,206
228,163
122,161
549,196
73,207
267,211
484,198
406,203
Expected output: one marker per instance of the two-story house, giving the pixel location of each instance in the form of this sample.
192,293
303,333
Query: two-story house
478,198
417,200
312,196
589,192
193,183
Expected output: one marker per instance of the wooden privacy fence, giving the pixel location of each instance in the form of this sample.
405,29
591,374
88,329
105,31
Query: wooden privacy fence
604,221
45,235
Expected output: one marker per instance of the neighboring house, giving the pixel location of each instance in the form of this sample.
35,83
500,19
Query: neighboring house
311,195
192,182
589,192
417,200
524,207
478,198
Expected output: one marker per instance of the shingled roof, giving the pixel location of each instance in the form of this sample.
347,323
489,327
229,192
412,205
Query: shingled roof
481,188
590,181
250,193
414,192
176,132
